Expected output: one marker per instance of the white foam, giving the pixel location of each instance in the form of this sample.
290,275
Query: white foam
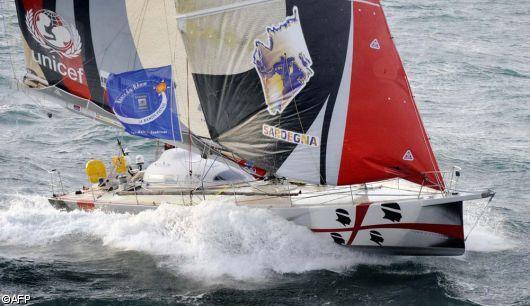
482,239
207,242
487,235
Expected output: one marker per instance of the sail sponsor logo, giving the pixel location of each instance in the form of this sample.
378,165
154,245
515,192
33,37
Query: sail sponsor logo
375,44
283,63
290,136
58,37
141,102
59,67
408,156
52,33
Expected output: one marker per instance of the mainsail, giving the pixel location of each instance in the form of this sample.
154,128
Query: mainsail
309,90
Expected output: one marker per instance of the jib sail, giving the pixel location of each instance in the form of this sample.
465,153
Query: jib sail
309,90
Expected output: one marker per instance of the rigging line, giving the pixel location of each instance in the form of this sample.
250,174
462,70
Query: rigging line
205,172
479,217
40,106
326,201
138,33
189,110
244,182
317,165
172,56
219,153
439,181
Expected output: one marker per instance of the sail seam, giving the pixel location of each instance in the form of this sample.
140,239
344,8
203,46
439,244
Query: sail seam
221,9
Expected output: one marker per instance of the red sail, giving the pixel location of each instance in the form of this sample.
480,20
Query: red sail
384,135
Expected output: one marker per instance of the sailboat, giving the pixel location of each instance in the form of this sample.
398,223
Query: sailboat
301,107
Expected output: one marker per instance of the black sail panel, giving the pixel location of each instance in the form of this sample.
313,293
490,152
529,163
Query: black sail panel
265,72
228,100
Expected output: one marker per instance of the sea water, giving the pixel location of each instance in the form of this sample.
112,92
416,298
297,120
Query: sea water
469,67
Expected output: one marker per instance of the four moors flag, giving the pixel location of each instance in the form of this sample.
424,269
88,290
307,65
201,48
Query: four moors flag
144,102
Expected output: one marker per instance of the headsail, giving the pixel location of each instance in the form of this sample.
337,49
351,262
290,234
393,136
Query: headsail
310,90
73,46
384,136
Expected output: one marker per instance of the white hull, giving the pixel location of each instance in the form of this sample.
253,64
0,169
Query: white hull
379,216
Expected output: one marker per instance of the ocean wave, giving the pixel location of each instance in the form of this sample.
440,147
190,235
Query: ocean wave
209,242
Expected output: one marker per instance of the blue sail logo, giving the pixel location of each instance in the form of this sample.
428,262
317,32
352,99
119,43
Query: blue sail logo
140,95
284,65
143,101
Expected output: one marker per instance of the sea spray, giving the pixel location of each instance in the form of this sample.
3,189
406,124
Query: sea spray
483,229
208,242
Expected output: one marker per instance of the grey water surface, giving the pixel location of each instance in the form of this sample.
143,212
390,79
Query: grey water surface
469,66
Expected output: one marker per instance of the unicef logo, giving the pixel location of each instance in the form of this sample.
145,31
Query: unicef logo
52,33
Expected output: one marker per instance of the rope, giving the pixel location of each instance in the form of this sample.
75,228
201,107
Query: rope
172,55
479,217
315,163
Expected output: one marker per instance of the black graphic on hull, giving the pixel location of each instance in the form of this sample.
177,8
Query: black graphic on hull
337,238
343,217
392,211
376,237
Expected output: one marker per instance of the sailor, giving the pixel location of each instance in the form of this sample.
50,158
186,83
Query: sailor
126,153
128,162
168,146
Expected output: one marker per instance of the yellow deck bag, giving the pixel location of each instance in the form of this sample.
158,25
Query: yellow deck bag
119,164
95,170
